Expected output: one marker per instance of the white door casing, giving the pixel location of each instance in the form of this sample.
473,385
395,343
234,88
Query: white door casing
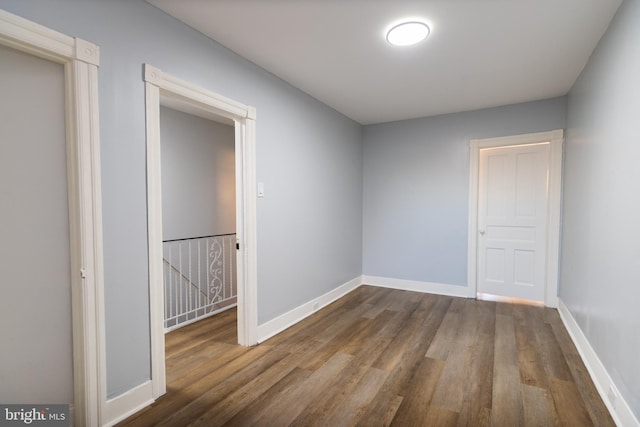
162,88
80,60
509,243
512,221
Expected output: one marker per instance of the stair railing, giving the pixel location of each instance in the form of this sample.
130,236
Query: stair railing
199,278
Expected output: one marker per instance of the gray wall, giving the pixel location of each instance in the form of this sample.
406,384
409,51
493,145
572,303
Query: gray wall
416,187
35,292
600,272
198,176
308,156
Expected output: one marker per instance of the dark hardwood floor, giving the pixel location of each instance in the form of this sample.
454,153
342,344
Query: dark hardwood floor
380,357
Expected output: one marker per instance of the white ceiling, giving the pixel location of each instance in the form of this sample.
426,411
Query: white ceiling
481,53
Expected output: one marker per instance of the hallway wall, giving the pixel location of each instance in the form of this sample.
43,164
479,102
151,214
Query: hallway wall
600,266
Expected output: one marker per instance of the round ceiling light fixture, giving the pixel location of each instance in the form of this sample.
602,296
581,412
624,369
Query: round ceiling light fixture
408,33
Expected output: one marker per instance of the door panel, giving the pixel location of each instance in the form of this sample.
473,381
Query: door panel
35,290
512,221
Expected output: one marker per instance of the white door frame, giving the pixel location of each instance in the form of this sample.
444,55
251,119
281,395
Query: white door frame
80,60
193,99
554,191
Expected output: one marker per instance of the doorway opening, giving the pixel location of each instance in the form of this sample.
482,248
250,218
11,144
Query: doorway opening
198,217
514,217
175,97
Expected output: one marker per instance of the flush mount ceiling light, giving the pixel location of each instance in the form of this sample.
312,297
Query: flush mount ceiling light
408,33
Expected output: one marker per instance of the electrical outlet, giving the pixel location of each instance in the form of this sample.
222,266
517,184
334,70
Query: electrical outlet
611,395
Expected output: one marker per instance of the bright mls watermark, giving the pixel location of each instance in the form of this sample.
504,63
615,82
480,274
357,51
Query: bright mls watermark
34,415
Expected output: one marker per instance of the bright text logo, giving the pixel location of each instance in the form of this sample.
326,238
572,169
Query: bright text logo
36,415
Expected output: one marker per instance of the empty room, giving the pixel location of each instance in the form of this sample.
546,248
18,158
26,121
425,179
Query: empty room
273,213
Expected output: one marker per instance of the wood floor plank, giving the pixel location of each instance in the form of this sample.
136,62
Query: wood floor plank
218,414
553,360
184,393
341,324
210,371
440,417
207,353
381,357
506,352
478,389
379,304
263,406
344,388
381,411
215,394
458,363
532,370
345,407
365,337
417,396
569,406
442,342
539,408
197,332
296,400
350,330
399,301
417,332
351,410
366,351
506,409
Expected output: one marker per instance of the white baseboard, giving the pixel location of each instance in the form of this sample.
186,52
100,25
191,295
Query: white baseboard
412,285
619,408
127,404
286,320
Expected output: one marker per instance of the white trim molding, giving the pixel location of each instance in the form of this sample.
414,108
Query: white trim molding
416,286
290,318
80,60
555,139
618,408
127,404
164,89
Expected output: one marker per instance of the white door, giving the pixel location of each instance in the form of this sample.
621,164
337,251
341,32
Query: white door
512,221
